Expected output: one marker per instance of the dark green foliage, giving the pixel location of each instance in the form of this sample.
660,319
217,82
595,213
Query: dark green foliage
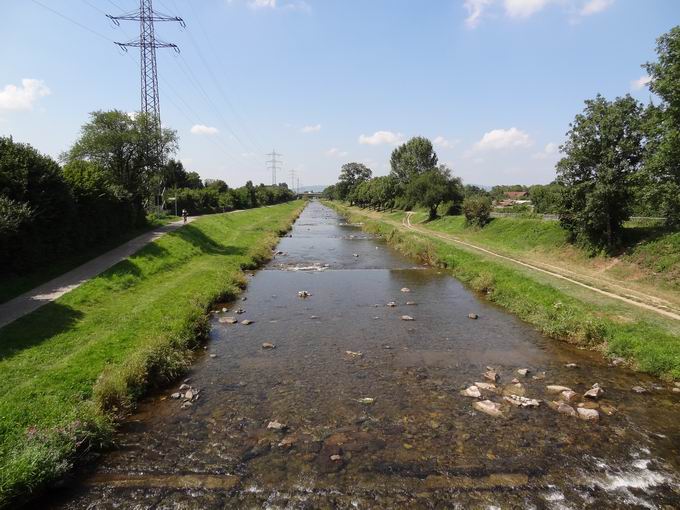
351,175
603,152
546,199
412,158
432,188
216,197
661,176
175,176
498,192
32,182
477,210
470,190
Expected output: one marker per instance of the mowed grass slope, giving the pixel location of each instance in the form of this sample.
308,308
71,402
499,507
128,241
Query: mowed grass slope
70,367
643,342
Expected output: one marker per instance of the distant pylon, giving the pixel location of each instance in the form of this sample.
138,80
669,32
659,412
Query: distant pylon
274,164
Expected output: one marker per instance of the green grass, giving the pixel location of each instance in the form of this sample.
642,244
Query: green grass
12,286
648,347
72,366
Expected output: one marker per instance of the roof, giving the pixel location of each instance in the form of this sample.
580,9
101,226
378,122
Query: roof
515,194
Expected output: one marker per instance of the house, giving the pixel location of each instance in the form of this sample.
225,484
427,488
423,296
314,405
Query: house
516,195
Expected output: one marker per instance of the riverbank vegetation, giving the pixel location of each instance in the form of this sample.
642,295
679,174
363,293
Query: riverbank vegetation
108,188
620,157
646,345
74,365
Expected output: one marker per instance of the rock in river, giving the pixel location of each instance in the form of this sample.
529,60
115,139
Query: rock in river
227,320
562,408
555,388
276,425
405,289
472,391
520,401
246,322
491,375
473,316
588,414
639,389
595,392
523,372
407,318
268,345
488,407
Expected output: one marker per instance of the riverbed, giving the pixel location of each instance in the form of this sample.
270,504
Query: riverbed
349,396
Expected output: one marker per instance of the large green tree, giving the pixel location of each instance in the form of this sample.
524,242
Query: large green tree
412,158
604,149
661,175
119,144
351,175
432,188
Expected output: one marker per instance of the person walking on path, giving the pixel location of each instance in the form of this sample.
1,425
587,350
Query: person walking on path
185,215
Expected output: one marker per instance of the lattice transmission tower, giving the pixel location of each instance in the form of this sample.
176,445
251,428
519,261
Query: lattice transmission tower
147,44
274,164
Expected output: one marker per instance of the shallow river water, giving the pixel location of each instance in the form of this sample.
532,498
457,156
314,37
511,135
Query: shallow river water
386,428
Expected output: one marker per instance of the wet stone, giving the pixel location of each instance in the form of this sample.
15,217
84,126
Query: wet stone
473,316
471,391
488,407
639,389
595,392
268,345
588,414
491,375
407,318
555,388
246,322
523,372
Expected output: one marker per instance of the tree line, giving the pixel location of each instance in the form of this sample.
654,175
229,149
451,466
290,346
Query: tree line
620,158
105,185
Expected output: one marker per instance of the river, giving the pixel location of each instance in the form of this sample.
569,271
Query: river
357,408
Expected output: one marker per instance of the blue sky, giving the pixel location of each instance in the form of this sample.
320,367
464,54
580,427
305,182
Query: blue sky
494,82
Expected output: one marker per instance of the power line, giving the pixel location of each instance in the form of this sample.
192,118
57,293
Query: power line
71,20
274,164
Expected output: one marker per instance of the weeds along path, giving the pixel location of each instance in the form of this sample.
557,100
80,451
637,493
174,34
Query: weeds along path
640,300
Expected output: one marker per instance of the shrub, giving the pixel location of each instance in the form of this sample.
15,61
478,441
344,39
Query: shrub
477,210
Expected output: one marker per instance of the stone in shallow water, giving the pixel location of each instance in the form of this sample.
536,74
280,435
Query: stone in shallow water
568,395
639,389
514,389
523,372
227,320
555,388
562,408
571,365
276,425
473,316
268,345
521,401
391,304
488,407
491,375
472,391
407,318
486,386
588,414
595,392
246,322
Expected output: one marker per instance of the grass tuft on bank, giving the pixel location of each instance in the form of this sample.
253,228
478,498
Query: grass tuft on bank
648,347
72,367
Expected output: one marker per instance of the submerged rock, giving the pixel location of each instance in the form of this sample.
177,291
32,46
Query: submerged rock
595,392
366,400
276,425
471,391
405,289
227,320
411,303
514,389
391,304
562,408
246,322
407,318
304,294
486,386
354,354
571,365
268,345
488,407
491,375
639,389
568,395
473,316
521,401
555,388
523,372
588,414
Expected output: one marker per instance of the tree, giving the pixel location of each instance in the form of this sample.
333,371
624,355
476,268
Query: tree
472,190
546,199
117,142
433,187
477,210
32,182
603,150
412,158
351,175
660,178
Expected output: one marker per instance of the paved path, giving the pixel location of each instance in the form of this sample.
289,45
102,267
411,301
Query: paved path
626,299
48,292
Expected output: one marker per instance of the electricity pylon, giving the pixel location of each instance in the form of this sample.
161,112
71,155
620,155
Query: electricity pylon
274,164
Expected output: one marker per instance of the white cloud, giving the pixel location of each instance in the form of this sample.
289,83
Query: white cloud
498,139
311,129
24,96
262,4
380,137
336,153
200,129
595,6
523,8
442,142
640,83
475,9
548,151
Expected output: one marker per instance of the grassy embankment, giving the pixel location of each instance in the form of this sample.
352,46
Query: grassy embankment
12,286
648,261
73,366
551,308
